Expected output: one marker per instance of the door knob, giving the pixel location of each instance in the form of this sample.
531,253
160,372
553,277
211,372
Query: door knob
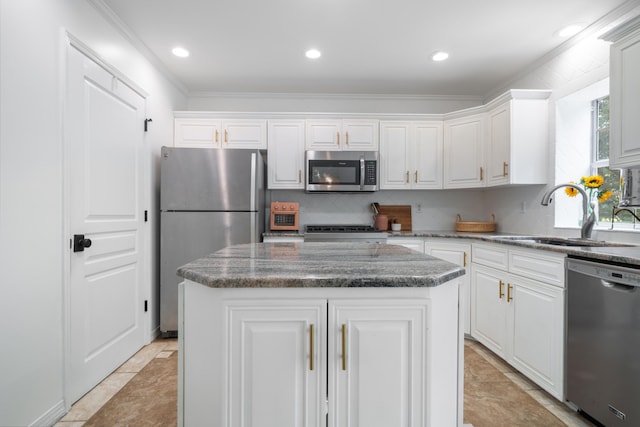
79,243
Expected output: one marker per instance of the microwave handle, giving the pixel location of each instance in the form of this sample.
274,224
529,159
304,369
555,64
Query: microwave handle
361,172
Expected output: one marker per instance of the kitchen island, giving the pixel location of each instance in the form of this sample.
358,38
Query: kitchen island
282,334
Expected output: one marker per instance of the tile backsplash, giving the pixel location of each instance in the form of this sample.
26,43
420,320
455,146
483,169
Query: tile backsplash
430,210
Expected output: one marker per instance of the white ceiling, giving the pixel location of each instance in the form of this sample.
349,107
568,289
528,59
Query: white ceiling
368,46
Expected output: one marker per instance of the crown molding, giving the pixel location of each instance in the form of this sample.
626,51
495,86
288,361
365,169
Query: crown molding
108,14
338,96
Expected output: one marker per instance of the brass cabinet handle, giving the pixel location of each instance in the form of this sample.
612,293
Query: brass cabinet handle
346,136
464,260
416,177
217,135
311,347
299,176
504,168
509,297
500,292
338,137
481,173
344,347
407,177
226,136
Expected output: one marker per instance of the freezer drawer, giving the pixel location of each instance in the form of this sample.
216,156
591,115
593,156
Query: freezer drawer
186,236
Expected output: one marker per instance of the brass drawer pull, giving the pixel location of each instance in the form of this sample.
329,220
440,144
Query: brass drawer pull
504,168
509,297
501,292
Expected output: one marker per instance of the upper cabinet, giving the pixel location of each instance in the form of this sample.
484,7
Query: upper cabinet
285,164
517,140
624,97
410,155
464,140
342,135
220,133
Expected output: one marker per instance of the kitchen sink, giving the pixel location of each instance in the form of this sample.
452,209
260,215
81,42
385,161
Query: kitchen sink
562,241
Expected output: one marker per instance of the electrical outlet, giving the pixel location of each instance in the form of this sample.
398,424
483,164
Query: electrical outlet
419,208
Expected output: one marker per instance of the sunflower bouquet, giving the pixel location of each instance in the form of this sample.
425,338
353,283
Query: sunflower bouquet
591,185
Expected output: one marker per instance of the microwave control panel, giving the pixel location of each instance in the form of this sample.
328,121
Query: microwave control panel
370,172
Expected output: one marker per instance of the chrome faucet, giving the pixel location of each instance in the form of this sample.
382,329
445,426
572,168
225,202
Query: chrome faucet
588,220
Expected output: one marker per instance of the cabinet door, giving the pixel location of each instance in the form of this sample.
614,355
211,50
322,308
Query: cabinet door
464,152
536,317
286,154
499,139
245,134
276,364
459,254
624,148
201,133
395,149
324,135
488,308
360,135
376,363
427,156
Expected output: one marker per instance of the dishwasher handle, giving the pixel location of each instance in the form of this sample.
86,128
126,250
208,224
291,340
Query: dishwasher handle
620,287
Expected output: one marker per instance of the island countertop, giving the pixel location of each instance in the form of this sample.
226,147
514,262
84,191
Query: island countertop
311,264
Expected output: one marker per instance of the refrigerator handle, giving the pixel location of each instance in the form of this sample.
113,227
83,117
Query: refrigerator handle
254,172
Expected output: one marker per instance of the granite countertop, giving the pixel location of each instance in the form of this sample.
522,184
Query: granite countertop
311,264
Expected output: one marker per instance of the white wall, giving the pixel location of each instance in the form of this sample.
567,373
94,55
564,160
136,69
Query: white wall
31,189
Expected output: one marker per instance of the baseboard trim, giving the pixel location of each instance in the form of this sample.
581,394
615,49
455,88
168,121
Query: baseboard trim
51,417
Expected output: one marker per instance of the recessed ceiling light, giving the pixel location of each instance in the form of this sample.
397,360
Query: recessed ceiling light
180,52
570,30
313,54
439,56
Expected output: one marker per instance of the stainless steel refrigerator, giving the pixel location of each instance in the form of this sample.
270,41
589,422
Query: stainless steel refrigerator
209,199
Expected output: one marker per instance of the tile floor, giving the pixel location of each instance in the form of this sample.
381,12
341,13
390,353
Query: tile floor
83,409
91,402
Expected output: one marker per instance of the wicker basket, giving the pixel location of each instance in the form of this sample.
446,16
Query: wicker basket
476,227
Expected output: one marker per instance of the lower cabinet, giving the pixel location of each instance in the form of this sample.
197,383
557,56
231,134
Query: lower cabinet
295,362
459,254
518,318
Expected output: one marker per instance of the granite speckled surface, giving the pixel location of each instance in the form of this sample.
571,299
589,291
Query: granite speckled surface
310,264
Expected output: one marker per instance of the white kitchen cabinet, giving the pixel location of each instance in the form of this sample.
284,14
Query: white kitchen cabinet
220,133
285,166
517,140
277,350
321,356
342,135
624,98
459,254
411,155
376,360
464,151
415,243
517,298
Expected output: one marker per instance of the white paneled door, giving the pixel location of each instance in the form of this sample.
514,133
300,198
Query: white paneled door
104,143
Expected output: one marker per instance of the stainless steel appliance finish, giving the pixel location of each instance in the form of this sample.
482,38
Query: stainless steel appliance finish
630,191
342,171
209,199
603,341
344,233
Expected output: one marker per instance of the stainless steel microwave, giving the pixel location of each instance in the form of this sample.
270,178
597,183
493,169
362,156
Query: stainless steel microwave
341,171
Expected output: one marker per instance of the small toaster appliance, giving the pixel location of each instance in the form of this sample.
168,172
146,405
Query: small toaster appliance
284,216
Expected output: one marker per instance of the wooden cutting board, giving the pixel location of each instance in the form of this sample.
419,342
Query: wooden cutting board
401,213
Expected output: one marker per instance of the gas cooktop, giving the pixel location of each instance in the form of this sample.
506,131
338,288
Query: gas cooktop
344,232
333,228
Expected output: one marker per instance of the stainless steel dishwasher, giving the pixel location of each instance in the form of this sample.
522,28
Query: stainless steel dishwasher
603,341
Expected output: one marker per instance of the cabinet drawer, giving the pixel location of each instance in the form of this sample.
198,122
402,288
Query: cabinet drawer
537,265
491,256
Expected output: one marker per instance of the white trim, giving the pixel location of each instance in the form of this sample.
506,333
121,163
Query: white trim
95,57
52,416
108,14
